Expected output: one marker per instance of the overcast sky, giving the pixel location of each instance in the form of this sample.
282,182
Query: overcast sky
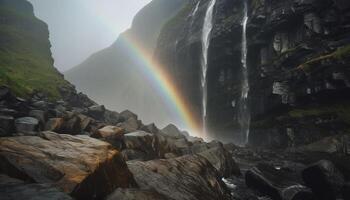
79,28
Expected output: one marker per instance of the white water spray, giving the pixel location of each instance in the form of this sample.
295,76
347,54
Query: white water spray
207,27
244,110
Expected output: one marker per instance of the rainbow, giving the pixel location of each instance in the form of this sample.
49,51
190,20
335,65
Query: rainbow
158,78
164,84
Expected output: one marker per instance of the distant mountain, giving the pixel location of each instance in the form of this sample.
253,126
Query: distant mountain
26,63
114,75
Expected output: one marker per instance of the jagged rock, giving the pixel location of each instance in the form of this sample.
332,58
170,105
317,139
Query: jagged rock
141,144
112,117
7,126
135,194
75,164
222,160
325,180
97,111
54,124
187,177
26,125
126,114
13,189
150,128
85,121
39,115
130,125
279,185
71,125
111,134
172,131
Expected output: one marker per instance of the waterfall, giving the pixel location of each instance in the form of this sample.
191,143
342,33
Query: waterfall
207,27
244,118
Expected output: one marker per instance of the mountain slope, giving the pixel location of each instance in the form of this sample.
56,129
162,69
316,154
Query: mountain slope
115,76
26,63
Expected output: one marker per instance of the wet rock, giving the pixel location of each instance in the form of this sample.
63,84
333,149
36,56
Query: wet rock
135,194
130,125
142,144
41,105
222,160
54,124
7,126
278,184
187,177
111,134
13,189
71,125
172,131
132,154
74,164
85,121
325,180
39,115
97,111
150,128
27,125
126,114
4,92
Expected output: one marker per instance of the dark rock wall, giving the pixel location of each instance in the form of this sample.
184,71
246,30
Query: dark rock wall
298,58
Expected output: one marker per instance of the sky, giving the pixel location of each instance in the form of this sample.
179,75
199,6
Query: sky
79,28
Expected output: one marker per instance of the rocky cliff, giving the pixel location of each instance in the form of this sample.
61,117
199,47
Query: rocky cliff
26,63
116,76
298,57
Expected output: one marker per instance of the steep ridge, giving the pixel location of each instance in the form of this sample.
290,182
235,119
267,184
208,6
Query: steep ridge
296,62
26,63
115,76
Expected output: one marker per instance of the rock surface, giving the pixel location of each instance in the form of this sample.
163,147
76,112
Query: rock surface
83,167
188,177
136,194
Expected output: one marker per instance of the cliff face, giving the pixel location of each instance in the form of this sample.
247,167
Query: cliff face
25,57
298,58
115,76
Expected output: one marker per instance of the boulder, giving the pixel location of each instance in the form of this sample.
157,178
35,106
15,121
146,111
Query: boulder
12,189
97,111
111,134
85,121
141,142
4,93
278,184
81,166
130,125
222,160
150,128
132,154
54,124
332,144
112,117
126,114
187,177
71,125
40,105
136,194
39,115
325,180
172,131
26,125
7,126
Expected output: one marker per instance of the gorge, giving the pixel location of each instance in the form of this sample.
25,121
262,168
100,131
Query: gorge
198,100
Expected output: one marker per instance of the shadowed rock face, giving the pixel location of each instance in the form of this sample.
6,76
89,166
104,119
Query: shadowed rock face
136,194
81,166
188,177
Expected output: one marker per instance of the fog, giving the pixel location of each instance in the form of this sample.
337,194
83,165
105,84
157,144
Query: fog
79,28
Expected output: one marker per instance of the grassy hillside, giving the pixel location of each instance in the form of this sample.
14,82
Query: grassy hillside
25,57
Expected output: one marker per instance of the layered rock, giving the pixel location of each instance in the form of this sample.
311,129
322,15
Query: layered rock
83,167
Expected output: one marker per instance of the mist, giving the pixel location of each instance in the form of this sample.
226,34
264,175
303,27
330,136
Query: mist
82,27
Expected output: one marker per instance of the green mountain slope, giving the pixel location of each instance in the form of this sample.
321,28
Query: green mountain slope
26,63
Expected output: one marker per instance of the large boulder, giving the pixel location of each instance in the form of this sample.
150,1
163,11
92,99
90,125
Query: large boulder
97,112
111,134
126,114
13,189
26,125
222,160
54,124
6,125
172,131
325,180
81,166
39,115
140,144
278,184
150,128
189,177
136,194
130,125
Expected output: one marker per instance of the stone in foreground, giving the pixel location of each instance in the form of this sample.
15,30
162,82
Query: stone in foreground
81,166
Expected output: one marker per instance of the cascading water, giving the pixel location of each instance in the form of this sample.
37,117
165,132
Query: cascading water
244,118
207,27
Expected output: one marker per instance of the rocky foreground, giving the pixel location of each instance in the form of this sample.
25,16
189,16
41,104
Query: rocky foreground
76,149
